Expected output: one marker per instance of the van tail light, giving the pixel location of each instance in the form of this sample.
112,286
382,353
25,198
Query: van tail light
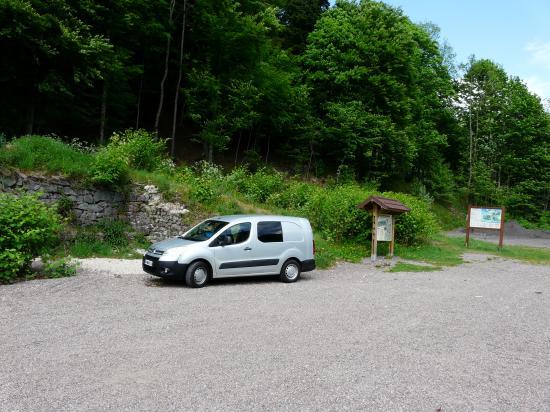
313,247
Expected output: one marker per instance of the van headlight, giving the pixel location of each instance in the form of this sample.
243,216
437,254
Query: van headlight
169,256
154,251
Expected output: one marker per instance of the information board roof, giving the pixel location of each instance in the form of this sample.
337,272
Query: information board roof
387,205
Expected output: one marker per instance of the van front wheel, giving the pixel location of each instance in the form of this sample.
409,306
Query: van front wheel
290,272
196,275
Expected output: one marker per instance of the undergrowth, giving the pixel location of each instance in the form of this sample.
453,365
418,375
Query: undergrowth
342,230
108,238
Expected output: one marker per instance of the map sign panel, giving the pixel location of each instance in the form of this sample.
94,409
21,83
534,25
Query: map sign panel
384,228
485,218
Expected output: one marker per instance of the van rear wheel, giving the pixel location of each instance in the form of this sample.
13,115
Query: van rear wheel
196,275
290,272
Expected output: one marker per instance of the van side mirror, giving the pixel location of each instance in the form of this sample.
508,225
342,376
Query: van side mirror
225,240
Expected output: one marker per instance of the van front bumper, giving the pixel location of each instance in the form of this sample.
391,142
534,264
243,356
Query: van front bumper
164,269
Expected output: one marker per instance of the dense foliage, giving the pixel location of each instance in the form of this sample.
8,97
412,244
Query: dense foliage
137,149
331,208
354,90
29,228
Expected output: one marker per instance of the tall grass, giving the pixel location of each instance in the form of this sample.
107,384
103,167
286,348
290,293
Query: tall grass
45,154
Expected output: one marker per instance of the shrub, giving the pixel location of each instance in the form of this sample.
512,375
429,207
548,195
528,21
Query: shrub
114,232
295,195
59,268
142,149
29,227
11,263
333,211
417,226
260,185
110,167
65,207
109,237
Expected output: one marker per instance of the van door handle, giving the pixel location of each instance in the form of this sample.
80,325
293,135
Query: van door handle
247,248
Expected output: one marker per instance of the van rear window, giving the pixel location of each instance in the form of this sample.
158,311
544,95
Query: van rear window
269,232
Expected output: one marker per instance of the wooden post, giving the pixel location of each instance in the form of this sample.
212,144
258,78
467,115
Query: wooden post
501,237
392,241
374,246
468,226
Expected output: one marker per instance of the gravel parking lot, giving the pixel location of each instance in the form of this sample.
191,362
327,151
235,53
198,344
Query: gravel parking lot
474,337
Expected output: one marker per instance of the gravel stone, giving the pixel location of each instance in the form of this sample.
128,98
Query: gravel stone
472,337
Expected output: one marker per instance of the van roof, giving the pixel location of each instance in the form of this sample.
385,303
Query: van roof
233,218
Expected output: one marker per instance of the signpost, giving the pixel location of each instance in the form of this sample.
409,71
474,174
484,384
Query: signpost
383,211
484,217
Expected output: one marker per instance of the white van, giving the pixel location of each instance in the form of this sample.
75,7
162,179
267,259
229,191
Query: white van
238,245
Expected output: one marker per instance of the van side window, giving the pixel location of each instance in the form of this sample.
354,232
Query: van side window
269,232
237,233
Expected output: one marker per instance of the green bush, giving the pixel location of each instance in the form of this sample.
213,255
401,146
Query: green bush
11,264
114,232
332,209
142,149
262,184
29,228
137,149
59,268
417,226
47,154
334,212
110,167
295,195
205,182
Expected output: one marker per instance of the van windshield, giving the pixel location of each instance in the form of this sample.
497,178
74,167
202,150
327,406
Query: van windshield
204,231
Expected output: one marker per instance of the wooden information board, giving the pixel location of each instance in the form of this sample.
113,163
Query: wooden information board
485,217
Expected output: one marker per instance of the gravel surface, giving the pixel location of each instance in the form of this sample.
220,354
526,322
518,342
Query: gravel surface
473,337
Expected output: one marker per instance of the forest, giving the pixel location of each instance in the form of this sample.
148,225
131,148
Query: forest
354,91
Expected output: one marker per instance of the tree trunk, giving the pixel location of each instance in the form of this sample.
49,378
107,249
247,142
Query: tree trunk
166,63
238,145
310,158
249,138
210,152
30,117
139,101
103,115
267,153
471,148
178,84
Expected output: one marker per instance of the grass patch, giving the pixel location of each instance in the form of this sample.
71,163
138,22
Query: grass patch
45,154
448,219
447,251
525,253
410,267
166,184
439,252
328,253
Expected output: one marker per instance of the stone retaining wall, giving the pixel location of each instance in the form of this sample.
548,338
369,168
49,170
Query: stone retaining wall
142,206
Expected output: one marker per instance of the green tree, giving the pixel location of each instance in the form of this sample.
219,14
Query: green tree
298,18
369,65
508,140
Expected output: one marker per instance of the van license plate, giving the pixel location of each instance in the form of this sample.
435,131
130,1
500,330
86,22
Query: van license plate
148,262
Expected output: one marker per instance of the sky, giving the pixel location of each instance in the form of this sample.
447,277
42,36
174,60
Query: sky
513,33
